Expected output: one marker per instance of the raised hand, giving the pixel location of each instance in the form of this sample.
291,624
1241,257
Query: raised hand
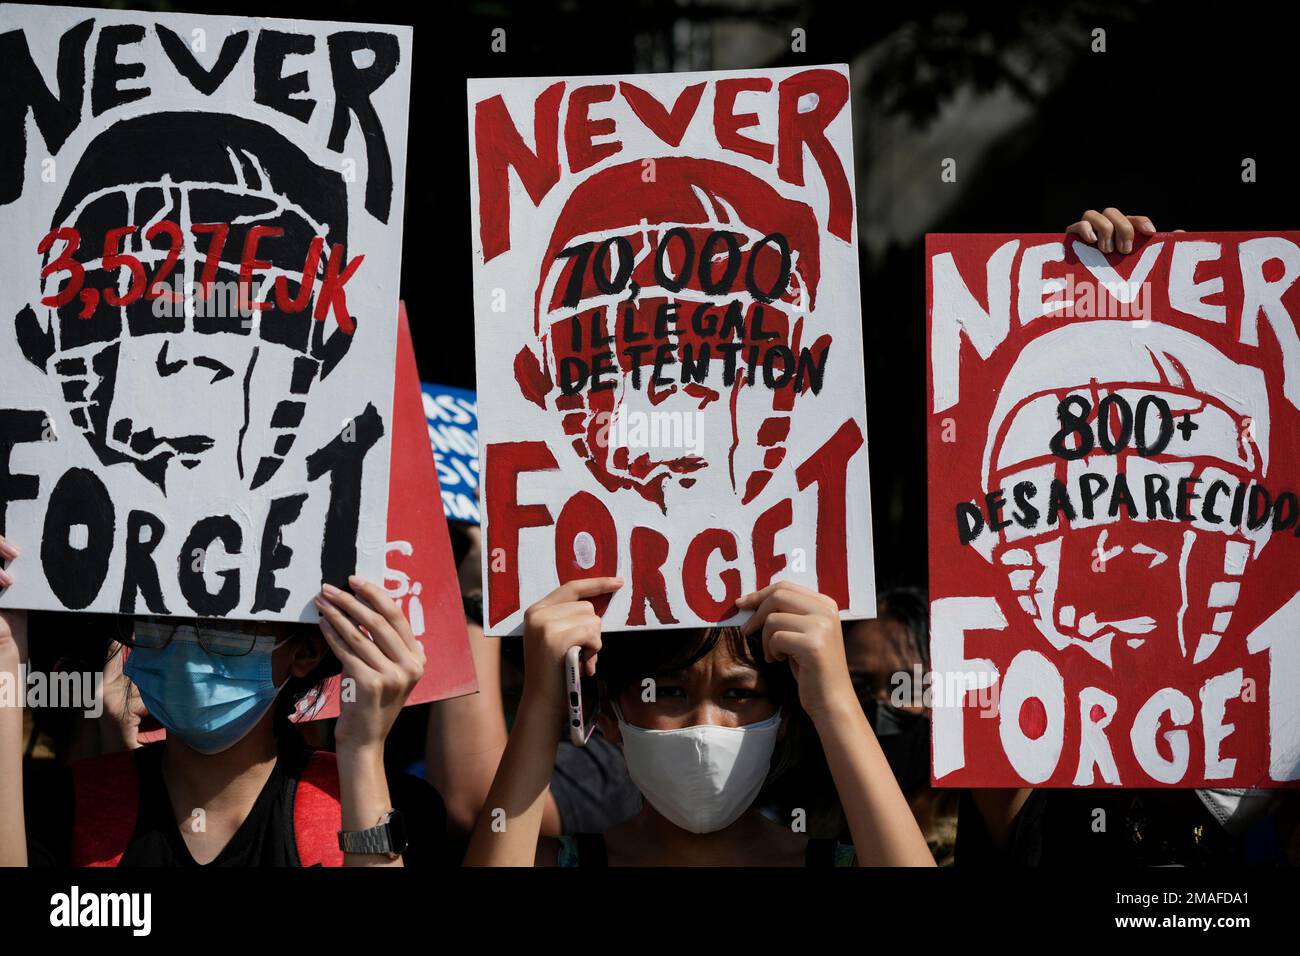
563,619
1110,230
803,627
380,656
13,624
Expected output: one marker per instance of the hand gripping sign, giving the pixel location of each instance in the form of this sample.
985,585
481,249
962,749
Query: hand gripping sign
1114,471
668,338
200,233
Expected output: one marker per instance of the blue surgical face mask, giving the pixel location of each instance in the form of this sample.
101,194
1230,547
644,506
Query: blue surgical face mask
209,701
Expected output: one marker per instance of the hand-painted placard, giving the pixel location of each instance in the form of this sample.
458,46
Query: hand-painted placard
668,341
200,232
1114,461
420,574
452,414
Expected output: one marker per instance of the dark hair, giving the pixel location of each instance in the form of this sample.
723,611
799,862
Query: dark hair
909,607
299,687
799,776
66,643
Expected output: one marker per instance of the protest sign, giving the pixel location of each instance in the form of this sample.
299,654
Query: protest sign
1114,461
200,233
452,415
420,574
668,341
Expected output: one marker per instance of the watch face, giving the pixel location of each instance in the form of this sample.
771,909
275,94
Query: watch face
397,832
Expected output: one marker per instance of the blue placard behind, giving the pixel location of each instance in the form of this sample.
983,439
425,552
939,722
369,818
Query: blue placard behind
452,414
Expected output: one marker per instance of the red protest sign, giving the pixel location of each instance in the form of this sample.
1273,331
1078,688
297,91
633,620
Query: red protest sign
1113,476
420,574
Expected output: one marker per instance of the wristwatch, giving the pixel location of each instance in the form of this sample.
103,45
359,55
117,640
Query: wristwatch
387,837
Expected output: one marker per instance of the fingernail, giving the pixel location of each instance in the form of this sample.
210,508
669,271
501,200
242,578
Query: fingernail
330,590
1125,246
5,579
321,603
8,550
1105,245
355,581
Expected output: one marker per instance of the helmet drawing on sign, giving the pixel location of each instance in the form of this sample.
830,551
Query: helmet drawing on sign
150,378
1128,580
688,258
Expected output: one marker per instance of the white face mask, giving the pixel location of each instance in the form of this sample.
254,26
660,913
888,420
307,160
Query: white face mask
700,778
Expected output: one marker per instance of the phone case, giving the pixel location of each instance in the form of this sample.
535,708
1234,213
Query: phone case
579,730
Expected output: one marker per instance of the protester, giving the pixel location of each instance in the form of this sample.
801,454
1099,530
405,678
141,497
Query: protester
888,657
233,784
700,750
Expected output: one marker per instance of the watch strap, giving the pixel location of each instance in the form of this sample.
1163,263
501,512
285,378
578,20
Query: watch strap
376,840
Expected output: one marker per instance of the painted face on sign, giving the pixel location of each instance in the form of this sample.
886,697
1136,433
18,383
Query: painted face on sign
1172,606
669,287
1158,502
159,309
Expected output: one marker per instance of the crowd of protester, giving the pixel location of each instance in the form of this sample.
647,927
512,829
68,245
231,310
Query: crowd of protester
792,740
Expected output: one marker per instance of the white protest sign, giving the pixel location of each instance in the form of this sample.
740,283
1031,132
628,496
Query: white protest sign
668,340
200,235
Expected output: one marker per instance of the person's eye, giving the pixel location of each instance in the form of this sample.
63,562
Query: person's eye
743,693
669,692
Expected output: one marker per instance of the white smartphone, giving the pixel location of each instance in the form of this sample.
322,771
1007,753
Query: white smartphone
583,701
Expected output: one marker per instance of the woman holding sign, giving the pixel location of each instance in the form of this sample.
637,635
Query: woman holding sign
701,746
233,784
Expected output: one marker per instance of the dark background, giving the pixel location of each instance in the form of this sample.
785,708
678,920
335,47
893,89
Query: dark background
1041,127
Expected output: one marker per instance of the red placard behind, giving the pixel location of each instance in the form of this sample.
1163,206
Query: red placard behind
420,574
